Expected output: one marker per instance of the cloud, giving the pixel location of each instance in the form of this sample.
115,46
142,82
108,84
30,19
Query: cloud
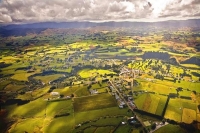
5,18
95,10
180,9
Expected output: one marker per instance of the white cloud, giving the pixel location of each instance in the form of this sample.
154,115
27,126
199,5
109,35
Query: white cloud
5,18
96,10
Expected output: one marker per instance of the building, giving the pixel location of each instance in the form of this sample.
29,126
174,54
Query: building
55,94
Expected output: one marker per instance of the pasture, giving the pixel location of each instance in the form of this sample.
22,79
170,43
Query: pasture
94,114
151,103
181,110
171,129
188,116
39,114
86,73
94,102
96,54
46,79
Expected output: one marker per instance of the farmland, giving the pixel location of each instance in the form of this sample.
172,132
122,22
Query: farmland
94,102
100,80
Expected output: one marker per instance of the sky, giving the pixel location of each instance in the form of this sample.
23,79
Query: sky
29,11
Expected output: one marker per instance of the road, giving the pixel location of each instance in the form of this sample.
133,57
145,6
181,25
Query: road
138,118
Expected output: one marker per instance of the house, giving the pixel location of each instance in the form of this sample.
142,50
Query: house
116,96
121,106
93,91
55,94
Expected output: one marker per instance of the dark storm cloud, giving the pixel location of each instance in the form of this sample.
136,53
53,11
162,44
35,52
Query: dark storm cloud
100,10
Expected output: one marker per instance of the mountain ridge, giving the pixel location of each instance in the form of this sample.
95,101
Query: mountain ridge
86,24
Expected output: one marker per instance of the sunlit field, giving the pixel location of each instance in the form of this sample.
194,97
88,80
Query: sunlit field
100,79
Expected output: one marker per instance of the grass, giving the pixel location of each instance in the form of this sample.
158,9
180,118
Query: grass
151,103
147,103
94,102
86,73
95,86
123,129
102,90
64,70
180,110
161,105
101,122
35,108
29,125
38,123
108,121
190,65
188,115
93,107
170,129
188,104
9,59
12,87
46,79
154,104
3,84
21,75
67,91
140,101
174,110
90,130
104,129
60,125
82,91
54,108
94,114
11,69
34,94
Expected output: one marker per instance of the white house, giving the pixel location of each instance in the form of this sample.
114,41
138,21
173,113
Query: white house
55,94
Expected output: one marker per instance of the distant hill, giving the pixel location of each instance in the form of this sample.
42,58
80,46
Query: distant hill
22,29
171,23
19,31
192,60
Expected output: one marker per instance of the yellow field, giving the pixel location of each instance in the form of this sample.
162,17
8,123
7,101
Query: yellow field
82,45
154,104
22,76
67,91
9,59
86,73
148,102
190,65
188,115
54,51
174,110
181,110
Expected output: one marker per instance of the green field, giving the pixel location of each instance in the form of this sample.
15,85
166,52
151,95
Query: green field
151,103
28,125
94,114
171,129
48,78
179,110
89,73
74,62
94,102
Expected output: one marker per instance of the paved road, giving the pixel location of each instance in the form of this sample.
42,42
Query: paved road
139,119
